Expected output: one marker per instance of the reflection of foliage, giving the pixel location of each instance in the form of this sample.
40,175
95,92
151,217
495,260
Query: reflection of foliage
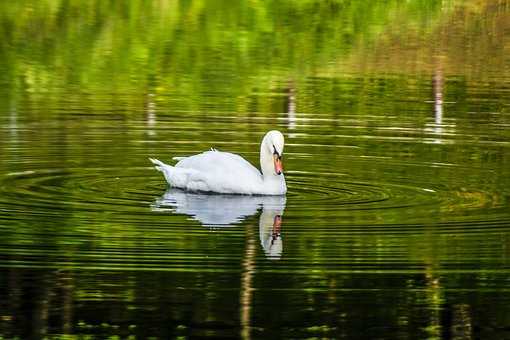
470,41
184,48
188,52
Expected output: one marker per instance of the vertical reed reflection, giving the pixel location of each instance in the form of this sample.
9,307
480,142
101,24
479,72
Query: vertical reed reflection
438,97
290,106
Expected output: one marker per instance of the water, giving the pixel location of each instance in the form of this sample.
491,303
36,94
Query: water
396,116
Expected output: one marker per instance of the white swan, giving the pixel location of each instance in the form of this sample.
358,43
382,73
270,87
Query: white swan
227,173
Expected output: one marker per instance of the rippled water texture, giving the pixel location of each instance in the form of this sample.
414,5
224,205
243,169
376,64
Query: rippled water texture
397,159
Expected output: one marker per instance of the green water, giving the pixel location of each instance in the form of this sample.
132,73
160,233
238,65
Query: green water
397,123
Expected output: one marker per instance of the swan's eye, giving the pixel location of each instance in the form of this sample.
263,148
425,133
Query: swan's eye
276,153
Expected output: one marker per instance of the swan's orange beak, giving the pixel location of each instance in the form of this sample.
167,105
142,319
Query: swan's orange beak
277,225
278,167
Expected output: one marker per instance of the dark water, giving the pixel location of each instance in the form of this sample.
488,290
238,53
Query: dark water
397,123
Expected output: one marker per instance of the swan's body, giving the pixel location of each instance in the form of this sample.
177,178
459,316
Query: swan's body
224,172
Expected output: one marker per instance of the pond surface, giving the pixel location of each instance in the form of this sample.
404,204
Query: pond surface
397,123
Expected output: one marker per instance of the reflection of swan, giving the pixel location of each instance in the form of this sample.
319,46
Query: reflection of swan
270,232
227,173
215,210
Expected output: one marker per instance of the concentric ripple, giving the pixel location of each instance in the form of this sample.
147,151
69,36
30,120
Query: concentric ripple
60,191
336,193
127,193
101,190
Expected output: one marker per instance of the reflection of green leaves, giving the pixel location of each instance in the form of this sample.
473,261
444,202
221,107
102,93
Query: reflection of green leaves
183,48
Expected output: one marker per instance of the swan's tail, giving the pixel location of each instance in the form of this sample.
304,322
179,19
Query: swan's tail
159,165
167,170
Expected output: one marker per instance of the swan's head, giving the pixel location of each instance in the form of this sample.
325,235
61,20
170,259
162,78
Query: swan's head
272,144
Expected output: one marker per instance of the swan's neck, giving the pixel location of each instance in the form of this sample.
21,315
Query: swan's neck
272,182
266,161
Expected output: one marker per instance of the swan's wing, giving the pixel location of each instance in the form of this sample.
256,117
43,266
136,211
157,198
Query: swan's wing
219,164
220,172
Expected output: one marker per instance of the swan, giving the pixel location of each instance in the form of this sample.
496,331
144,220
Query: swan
228,173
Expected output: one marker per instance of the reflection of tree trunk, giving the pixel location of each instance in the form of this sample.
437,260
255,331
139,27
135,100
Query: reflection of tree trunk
290,106
435,300
438,95
14,300
248,266
42,310
67,287
151,114
433,288
461,322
